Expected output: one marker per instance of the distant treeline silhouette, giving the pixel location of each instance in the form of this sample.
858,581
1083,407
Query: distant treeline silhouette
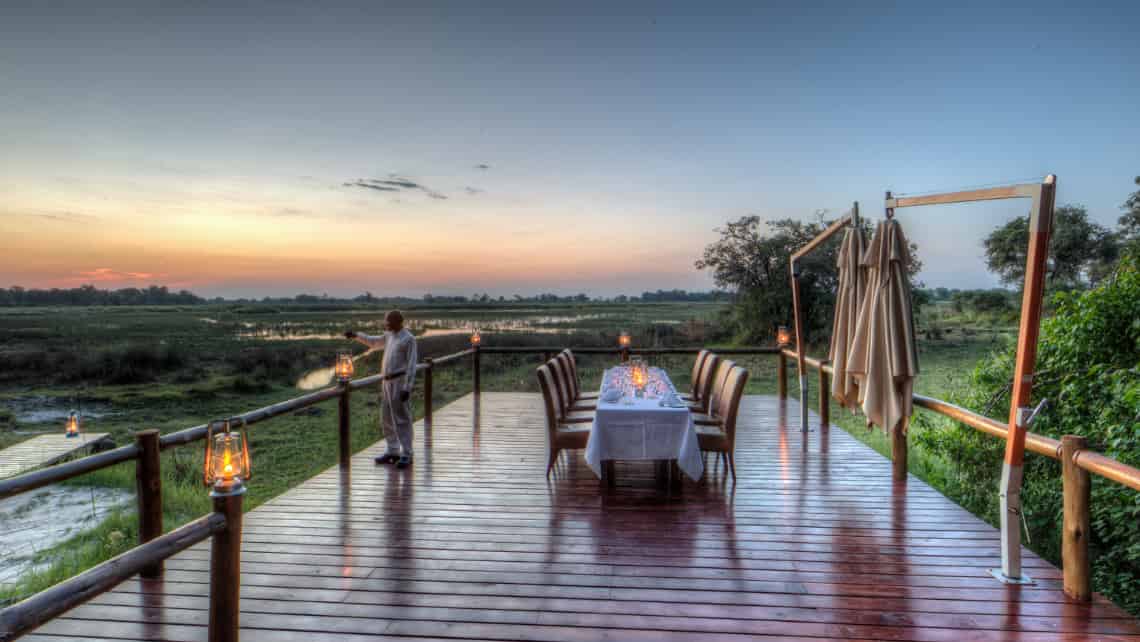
161,295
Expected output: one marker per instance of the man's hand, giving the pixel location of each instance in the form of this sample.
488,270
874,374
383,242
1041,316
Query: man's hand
349,334
405,395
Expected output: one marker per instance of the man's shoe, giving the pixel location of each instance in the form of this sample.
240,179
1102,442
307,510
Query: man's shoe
387,458
404,462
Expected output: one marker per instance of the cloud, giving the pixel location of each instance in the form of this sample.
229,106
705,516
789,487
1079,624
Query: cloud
472,190
294,212
66,217
482,166
394,183
111,274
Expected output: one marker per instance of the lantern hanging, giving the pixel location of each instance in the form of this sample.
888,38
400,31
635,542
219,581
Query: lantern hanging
344,367
227,464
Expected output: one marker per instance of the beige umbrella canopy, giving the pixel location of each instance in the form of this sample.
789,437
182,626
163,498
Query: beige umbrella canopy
852,280
882,357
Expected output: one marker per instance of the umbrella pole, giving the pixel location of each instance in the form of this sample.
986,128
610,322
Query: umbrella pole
1020,413
801,365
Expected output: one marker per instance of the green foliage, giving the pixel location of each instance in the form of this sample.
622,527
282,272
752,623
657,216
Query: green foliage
1081,251
754,263
1130,221
1088,368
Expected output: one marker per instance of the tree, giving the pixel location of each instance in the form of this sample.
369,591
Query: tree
1081,252
753,262
1130,220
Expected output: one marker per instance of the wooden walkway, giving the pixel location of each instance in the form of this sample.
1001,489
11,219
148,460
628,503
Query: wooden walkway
814,542
45,450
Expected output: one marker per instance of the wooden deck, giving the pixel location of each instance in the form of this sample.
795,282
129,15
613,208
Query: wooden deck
814,542
45,450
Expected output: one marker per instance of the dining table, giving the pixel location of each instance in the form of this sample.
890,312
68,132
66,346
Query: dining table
642,419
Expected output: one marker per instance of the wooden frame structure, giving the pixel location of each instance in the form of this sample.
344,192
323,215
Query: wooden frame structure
851,219
1021,414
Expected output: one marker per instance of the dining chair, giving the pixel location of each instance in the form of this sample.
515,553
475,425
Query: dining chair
562,373
695,377
714,383
561,435
706,381
719,434
563,408
577,378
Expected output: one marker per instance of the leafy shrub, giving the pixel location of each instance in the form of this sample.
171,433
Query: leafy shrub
1088,367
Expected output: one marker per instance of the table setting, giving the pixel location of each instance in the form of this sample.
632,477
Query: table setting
640,417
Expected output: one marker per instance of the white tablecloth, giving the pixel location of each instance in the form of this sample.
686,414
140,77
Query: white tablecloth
643,430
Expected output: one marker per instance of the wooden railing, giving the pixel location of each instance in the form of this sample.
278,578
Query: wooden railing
223,525
1077,463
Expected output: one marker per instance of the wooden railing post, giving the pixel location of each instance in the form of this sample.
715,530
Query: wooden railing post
427,390
225,571
782,375
824,395
475,370
344,425
148,488
1077,485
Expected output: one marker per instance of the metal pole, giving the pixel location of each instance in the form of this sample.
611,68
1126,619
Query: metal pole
801,366
1020,410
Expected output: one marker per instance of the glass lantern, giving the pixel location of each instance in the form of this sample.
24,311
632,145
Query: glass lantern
623,340
476,339
227,463
783,336
344,367
74,423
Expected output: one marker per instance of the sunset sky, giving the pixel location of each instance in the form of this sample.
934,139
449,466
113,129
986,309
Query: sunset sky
528,147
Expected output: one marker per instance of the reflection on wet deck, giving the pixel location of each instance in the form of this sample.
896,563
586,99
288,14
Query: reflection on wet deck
473,542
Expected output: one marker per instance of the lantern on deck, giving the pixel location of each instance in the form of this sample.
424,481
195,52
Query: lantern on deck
783,336
227,463
344,367
476,339
623,340
74,423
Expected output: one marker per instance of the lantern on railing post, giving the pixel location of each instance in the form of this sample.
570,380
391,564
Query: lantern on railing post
344,367
476,339
783,336
227,465
624,341
73,425
226,469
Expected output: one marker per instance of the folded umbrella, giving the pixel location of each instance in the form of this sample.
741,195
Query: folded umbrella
883,358
852,280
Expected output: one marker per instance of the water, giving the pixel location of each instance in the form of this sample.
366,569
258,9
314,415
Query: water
37,520
42,410
421,327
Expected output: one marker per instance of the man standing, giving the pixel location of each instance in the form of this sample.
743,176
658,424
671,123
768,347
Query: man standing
398,372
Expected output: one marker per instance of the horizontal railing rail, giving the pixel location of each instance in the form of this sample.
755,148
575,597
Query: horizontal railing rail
1077,461
45,605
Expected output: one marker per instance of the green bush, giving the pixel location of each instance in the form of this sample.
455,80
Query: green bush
1088,367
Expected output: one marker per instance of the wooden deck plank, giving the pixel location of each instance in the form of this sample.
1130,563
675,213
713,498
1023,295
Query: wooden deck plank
814,541
44,450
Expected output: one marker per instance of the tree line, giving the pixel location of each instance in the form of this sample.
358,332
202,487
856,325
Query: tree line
89,295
